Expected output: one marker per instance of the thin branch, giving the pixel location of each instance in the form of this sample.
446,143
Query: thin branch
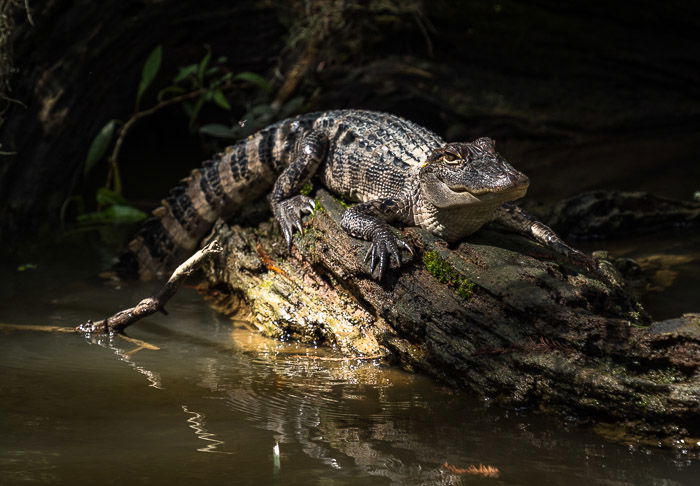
12,100
72,330
29,13
114,156
20,327
143,113
150,305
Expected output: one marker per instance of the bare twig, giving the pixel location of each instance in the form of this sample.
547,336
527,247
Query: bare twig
150,305
71,330
12,100
29,13
114,156
20,327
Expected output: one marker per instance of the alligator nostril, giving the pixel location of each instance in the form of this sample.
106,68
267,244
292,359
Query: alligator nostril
519,179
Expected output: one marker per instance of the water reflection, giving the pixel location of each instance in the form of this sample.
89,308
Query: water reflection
197,423
207,404
110,342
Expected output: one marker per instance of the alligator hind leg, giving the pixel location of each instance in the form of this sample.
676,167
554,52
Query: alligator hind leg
287,205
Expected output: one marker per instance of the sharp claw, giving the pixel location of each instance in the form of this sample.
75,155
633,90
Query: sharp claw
406,246
287,236
369,250
382,264
373,258
397,256
297,225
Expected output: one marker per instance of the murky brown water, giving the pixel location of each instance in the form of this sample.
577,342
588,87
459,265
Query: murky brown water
212,403
670,264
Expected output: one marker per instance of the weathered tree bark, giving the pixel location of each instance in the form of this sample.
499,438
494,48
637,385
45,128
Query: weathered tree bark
497,315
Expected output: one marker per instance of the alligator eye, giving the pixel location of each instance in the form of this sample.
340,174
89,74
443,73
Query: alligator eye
450,158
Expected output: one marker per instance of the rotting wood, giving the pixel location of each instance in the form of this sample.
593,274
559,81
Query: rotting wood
529,329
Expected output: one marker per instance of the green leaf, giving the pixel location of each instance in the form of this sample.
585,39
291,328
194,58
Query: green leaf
118,213
255,79
100,144
150,69
27,266
216,130
176,90
107,197
203,66
220,99
185,72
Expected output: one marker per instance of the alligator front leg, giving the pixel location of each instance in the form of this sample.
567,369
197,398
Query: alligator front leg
287,205
368,221
515,219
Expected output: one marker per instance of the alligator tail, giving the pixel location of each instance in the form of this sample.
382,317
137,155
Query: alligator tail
218,189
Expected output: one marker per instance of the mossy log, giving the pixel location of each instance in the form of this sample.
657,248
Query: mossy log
497,315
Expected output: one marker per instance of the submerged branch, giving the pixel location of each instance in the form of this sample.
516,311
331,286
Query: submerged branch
70,330
150,305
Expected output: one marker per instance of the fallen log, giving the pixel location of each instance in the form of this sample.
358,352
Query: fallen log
497,315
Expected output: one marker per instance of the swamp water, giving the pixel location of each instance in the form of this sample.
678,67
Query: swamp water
210,406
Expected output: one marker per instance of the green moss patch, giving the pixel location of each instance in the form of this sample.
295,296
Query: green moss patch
343,202
306,189
445,273
318,207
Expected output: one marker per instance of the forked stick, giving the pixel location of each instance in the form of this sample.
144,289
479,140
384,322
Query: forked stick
150,305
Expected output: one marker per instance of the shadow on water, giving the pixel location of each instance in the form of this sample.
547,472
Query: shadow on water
210,405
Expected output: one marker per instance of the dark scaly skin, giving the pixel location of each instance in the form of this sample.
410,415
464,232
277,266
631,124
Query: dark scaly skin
396,170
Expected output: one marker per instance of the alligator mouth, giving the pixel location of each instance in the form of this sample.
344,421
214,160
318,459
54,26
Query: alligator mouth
506,193
442,195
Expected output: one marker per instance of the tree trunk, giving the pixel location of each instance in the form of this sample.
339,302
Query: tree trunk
496,315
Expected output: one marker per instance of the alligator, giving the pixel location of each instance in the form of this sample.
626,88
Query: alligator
396,171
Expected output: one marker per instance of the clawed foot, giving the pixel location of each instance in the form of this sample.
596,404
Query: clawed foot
385,247
288,214
601,267
582,260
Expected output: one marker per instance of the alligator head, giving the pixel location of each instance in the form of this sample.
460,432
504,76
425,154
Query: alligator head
464,174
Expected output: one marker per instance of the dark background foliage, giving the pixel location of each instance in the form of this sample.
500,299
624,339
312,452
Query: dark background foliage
579,95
